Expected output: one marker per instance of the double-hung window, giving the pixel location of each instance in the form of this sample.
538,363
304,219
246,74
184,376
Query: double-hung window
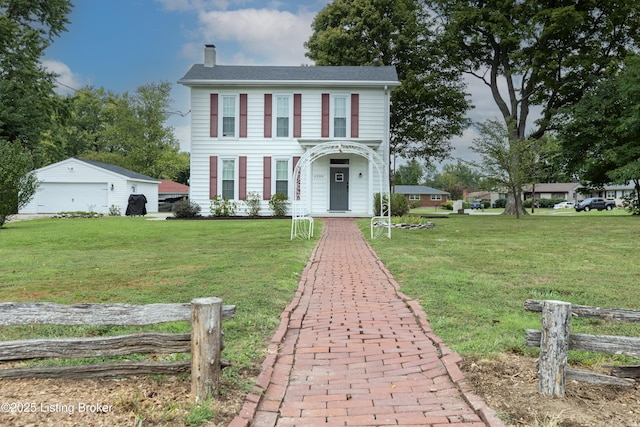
228,179
282,116
340,117
282,177
228,116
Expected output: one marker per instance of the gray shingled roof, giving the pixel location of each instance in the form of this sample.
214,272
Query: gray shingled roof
120,170
382,74
417,189
554,187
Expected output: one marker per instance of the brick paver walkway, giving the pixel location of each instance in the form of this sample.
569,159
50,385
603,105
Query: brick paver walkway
352,350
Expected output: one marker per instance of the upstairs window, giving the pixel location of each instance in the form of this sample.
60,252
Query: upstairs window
340,117
282,116
228,116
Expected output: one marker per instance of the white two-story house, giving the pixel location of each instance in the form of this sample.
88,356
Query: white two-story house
319,135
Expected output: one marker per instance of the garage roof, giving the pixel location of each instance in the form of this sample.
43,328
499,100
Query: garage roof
120,170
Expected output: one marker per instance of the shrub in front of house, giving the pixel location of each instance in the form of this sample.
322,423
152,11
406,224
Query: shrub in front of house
500,203
399,205
221,206
252,203
447,205
114,210
279,203
542,203
185,209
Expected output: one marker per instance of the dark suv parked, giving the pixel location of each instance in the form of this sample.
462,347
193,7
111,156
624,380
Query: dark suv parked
595,203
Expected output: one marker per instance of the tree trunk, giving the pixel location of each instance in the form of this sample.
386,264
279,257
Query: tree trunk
514,206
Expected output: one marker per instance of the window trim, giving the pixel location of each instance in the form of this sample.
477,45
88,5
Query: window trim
436,197
414,197
274,175
275,116
347,115
221,179
236,117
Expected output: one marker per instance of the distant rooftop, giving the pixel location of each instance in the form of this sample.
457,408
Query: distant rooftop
417,189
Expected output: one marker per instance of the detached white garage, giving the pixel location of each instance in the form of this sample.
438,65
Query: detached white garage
84,185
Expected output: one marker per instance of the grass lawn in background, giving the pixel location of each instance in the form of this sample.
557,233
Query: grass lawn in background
472,274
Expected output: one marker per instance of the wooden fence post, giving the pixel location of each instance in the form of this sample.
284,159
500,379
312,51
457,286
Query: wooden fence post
206,340
554,346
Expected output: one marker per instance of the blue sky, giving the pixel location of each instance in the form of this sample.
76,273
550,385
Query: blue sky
122,44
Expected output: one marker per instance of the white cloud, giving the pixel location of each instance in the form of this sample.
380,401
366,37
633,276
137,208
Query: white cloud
67,81
262,36
187,5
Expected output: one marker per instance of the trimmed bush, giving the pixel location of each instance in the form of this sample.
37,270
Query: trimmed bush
253,203
221,206
501,203
447,205
399,205
279,204
185,209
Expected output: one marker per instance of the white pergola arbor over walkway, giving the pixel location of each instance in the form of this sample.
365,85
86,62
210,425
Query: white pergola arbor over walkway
302,222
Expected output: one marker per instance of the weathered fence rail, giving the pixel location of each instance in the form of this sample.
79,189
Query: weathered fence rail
204,342
555,340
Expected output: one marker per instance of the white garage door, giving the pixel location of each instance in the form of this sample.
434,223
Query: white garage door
68,197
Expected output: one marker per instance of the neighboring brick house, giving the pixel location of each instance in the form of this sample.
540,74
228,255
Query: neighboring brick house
319,135
422,195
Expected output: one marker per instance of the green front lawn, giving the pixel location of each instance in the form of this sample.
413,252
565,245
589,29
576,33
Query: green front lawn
252,264
472,274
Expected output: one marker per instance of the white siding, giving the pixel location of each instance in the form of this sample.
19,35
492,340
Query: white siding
77,182
255,147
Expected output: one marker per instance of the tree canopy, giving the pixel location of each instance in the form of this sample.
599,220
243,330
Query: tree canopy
28,102
26,88
456,178
430,105
537,54
409,174
505,162
127,130
17,183
601,133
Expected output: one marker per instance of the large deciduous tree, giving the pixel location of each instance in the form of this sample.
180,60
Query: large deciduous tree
17,183
456,178
506,162
537,53
127,130
601,133
27,100
27,28
409,174
430,105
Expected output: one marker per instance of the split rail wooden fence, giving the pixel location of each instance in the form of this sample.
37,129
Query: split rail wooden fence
204,342
555,340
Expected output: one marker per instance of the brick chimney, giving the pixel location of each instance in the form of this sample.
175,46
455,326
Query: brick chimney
209,55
